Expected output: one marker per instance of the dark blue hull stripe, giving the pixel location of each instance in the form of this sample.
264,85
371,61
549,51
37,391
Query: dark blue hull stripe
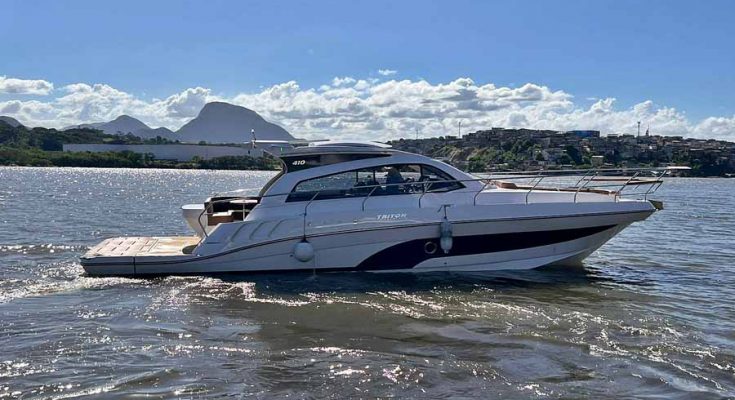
409,254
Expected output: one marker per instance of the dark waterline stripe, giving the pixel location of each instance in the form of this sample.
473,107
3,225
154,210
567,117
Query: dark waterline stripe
409,254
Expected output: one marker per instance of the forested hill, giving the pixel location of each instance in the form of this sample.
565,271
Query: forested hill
53,140
43,147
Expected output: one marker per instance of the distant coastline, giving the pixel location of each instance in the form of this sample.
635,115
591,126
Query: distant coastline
497,149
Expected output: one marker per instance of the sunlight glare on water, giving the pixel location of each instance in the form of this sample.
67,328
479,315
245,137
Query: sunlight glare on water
651,314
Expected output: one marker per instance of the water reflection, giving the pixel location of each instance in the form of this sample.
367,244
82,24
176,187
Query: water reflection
356,282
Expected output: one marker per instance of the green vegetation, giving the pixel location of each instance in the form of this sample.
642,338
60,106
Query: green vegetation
522,149
242,163
481,157
43,147
53,140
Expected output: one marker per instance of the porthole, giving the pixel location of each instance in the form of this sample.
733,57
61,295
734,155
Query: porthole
430,247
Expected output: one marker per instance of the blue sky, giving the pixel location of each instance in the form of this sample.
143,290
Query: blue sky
677,54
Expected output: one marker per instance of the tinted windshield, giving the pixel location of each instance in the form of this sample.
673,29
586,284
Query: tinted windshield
384,180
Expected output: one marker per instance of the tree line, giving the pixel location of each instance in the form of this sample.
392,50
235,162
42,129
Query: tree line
44,147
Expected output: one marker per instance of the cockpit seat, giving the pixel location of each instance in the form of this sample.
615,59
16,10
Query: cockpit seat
223,217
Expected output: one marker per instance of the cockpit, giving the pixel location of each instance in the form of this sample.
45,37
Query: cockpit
339,171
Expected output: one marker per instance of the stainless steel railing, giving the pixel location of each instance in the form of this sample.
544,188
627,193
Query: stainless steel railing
584,184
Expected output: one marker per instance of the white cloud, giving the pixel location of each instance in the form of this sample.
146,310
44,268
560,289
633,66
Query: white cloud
25,86
387,72
370,109
714,127
187,103
337,81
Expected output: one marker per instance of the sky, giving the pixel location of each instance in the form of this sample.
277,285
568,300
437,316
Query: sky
376,70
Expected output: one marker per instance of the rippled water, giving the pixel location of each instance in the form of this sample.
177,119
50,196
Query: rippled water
651,314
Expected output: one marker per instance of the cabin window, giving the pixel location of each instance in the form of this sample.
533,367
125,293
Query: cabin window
386,180
436,180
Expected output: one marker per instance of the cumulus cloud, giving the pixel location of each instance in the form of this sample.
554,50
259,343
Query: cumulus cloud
716,127
337,81
186,104
373,109
25,86
82,103
387,72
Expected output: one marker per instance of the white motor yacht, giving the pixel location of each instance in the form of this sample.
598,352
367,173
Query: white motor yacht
340,206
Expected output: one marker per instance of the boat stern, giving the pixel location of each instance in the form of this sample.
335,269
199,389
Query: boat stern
118,256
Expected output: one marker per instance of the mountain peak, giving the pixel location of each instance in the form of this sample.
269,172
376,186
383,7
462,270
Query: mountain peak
220,104
10,121
124,124
220,122
126,117
217,122
217,108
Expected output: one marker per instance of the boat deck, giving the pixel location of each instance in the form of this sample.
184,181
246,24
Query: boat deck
143,246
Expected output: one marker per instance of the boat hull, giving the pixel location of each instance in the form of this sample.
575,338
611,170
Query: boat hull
479,245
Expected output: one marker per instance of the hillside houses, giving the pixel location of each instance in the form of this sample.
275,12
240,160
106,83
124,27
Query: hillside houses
528,149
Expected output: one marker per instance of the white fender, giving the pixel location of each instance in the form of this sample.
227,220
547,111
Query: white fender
303,251
445,235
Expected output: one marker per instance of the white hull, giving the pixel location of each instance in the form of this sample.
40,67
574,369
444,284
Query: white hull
399,249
